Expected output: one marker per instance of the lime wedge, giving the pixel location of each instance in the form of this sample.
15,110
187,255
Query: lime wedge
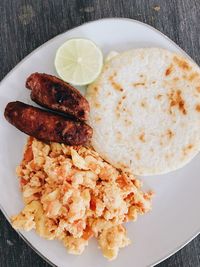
78,61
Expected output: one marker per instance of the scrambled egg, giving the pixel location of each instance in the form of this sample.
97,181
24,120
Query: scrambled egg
72,194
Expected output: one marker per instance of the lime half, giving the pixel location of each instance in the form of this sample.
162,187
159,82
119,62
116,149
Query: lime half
78,61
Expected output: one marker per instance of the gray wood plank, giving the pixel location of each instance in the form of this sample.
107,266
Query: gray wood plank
26,24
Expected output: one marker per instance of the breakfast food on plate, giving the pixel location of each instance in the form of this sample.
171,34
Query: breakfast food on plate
53,93
145,111
78,61
145,115
71,194
47,126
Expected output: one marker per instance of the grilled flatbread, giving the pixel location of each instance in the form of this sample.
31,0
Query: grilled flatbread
145,111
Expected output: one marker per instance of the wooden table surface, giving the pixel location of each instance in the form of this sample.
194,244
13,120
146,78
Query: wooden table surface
26,24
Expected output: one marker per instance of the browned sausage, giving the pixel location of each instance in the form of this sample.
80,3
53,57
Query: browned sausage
53,93
45,125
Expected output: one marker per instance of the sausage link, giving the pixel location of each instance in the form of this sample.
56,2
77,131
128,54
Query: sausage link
47,126
53,93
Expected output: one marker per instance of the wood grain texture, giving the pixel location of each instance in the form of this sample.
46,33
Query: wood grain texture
26,24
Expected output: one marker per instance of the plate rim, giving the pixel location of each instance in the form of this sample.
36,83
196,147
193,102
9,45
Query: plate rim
183,244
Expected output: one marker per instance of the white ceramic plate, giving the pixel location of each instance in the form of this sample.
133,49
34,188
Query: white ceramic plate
175,218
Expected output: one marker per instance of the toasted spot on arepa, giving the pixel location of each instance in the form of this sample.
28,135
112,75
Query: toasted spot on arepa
169,70
176,100
198,107
187,149
182,63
